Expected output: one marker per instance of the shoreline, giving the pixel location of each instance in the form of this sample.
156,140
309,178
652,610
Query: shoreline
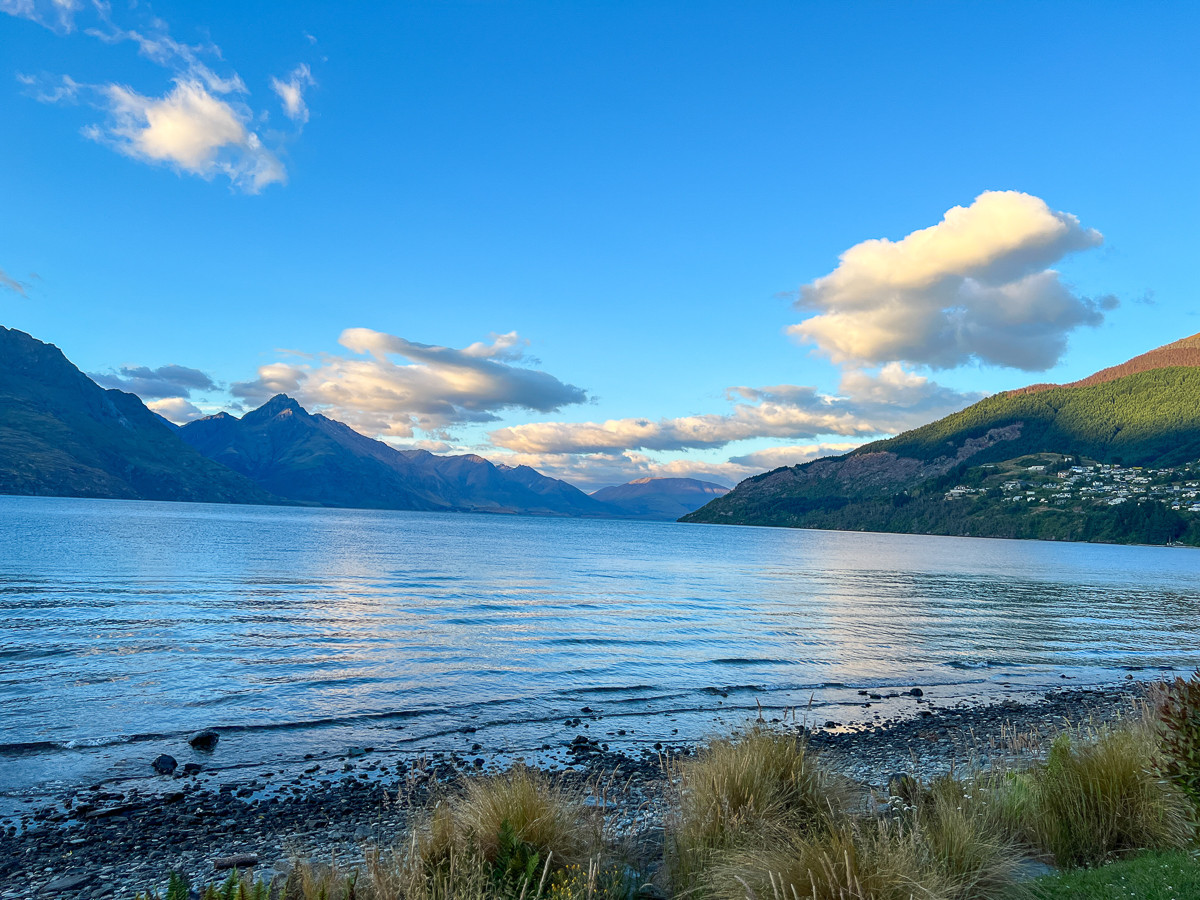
97,843
593,517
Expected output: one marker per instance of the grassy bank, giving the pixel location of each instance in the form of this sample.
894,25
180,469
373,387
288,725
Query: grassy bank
758,815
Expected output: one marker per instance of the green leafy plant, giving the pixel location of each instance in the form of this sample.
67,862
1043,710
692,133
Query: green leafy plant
516,862
237,887
178,888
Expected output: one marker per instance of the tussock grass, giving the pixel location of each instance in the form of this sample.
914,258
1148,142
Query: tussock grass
521,811
760,786
1097,796
519,835
960,824
940,845
866,860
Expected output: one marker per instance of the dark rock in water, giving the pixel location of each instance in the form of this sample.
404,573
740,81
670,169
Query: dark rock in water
192,768
204,740
916,692
164,765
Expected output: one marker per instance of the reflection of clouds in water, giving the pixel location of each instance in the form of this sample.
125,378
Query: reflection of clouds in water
269,616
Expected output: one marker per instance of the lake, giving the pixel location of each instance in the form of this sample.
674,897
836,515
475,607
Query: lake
127,625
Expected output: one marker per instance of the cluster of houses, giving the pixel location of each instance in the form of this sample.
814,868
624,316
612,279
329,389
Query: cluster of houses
1110,485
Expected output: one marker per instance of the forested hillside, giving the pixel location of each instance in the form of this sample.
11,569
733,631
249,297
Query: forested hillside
1149,419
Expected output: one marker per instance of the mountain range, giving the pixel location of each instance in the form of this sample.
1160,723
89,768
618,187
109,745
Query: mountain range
61,434
316,460
1144,413
659,498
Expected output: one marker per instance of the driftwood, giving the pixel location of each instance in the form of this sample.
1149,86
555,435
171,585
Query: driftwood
237,861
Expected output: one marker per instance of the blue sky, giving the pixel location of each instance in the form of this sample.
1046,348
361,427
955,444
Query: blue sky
642,192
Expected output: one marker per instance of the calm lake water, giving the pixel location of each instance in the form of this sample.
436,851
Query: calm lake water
124,626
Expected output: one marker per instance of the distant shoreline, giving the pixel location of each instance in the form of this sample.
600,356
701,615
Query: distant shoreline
984,537
591,518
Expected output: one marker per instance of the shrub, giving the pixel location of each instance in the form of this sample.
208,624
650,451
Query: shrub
178,888
1178,714
1098,796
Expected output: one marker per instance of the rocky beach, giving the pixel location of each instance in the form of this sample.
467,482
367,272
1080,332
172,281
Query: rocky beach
101,842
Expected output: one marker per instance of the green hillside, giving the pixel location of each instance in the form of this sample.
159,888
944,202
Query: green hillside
1149,420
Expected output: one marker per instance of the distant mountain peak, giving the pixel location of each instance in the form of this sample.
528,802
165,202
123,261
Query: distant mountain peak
659,498
280,404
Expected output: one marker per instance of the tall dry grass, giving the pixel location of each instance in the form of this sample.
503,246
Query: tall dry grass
761,786
941,845
1098,795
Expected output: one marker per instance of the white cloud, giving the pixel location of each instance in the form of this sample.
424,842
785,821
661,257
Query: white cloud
57,15
157,45
43,89
194,127
176,409
189,129
590,471
291,92
394,386
163,383
778,457
880,404
974,287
